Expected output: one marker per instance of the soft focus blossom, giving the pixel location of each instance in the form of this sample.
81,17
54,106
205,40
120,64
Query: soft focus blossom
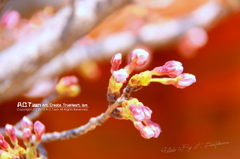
120,76
185,80
68,86
10,19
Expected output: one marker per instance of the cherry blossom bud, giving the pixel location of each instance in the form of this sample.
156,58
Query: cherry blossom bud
10,19
39,130
69,80
185,80
120,76
27,135
139,57
147,111
3,144
10,131
68,85
26,123
147,132
171,68
138,125
137,112
154,126
116,61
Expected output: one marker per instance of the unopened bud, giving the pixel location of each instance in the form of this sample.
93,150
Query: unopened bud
137,112
120,76
147,132
68,86
3,144
184,80
27,135
39,130
10,131
116,61
147,111
171,68
154,126
26,123
139,57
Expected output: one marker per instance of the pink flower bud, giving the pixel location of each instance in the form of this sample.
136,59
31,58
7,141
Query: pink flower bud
10,131
3,144
10,19
39,130
120,76
154,126
139,57
147,132
138,125
27,135
171,68
147,111
137,112
116,61
185,80
26,123
69,80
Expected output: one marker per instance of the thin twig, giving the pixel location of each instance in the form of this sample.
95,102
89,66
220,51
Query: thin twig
42,151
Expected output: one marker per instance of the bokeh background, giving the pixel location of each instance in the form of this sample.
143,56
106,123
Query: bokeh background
207,111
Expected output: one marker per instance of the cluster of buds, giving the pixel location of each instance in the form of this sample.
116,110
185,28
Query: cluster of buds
140,115
119,76
68,86
31,144
131,108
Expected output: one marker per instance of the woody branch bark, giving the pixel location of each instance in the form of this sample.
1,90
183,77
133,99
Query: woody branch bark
25,57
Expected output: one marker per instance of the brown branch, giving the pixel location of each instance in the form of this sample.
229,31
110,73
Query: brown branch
2,4
24,58
91,125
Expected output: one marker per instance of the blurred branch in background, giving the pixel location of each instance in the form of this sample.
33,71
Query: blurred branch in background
43,55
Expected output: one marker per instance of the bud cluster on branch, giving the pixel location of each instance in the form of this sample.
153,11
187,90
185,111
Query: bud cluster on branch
31,144
131,108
